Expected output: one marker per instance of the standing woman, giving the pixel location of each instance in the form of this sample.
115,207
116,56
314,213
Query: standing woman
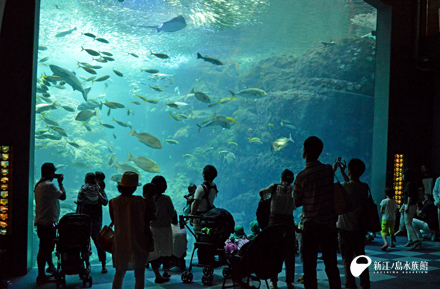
281,213
90,200
128,214
162,231
410,197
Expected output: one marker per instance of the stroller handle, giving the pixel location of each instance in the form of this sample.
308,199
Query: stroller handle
183,219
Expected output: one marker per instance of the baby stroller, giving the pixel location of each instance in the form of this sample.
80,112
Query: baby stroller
209,243
73,248
260,259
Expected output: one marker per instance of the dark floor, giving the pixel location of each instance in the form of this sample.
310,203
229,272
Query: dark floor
427,258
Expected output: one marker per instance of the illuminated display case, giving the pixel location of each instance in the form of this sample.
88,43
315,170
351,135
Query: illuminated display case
5,190
399,167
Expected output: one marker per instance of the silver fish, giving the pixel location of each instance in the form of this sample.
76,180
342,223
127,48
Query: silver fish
70,79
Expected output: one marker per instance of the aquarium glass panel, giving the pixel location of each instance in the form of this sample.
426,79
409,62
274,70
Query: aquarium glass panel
165,87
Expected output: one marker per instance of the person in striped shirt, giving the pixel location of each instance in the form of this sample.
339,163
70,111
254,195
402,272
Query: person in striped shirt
313,190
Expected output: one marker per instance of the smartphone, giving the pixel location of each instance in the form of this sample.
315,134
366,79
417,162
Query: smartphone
57,176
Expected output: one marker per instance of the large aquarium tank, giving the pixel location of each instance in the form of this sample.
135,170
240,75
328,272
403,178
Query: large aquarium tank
165,87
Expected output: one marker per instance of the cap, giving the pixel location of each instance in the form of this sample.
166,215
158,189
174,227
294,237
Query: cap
47,169
255,228
238,231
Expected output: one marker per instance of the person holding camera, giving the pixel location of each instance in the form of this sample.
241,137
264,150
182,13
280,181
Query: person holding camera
47,213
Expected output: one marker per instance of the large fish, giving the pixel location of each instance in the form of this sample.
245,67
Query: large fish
64,33
144,163
122,168
173,25
281,143
71,79
90,104
215,121
250,93
209,59
147,139
46,106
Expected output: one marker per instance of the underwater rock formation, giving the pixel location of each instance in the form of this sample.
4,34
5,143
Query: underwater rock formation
346,66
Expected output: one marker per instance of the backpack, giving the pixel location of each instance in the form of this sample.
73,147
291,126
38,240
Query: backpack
207,190
263,210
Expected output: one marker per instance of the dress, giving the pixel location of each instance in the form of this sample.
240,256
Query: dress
161,228
350,236
128,214
313,189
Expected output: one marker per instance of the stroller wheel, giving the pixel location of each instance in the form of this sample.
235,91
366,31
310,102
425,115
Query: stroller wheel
208,280
208,271
226,272
84,282
90,280
187,277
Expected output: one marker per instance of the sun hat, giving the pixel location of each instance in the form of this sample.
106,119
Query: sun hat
239,232
129,179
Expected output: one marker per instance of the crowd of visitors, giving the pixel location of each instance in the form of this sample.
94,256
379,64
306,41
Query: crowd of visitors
145,227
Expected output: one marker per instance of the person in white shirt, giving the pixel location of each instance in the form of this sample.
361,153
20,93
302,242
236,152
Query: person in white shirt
47,213
388,209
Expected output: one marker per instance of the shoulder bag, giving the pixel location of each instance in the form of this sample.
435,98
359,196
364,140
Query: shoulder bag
105,238
370,220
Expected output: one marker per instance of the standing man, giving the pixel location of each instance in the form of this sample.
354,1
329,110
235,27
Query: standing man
47,213
313,189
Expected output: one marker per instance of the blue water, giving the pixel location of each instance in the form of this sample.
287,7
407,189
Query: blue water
270,45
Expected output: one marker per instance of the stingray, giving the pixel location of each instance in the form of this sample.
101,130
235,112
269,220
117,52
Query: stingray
173,25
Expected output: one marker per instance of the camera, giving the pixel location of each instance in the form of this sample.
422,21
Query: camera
340,163
57,176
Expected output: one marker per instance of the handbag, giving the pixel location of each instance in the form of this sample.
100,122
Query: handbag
370,220
105,238
341,201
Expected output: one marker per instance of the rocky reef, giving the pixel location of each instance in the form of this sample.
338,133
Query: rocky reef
327,92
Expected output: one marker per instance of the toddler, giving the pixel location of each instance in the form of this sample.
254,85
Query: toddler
388,209
189,199
89,191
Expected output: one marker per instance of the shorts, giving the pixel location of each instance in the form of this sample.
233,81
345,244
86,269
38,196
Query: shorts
387,227
47,235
